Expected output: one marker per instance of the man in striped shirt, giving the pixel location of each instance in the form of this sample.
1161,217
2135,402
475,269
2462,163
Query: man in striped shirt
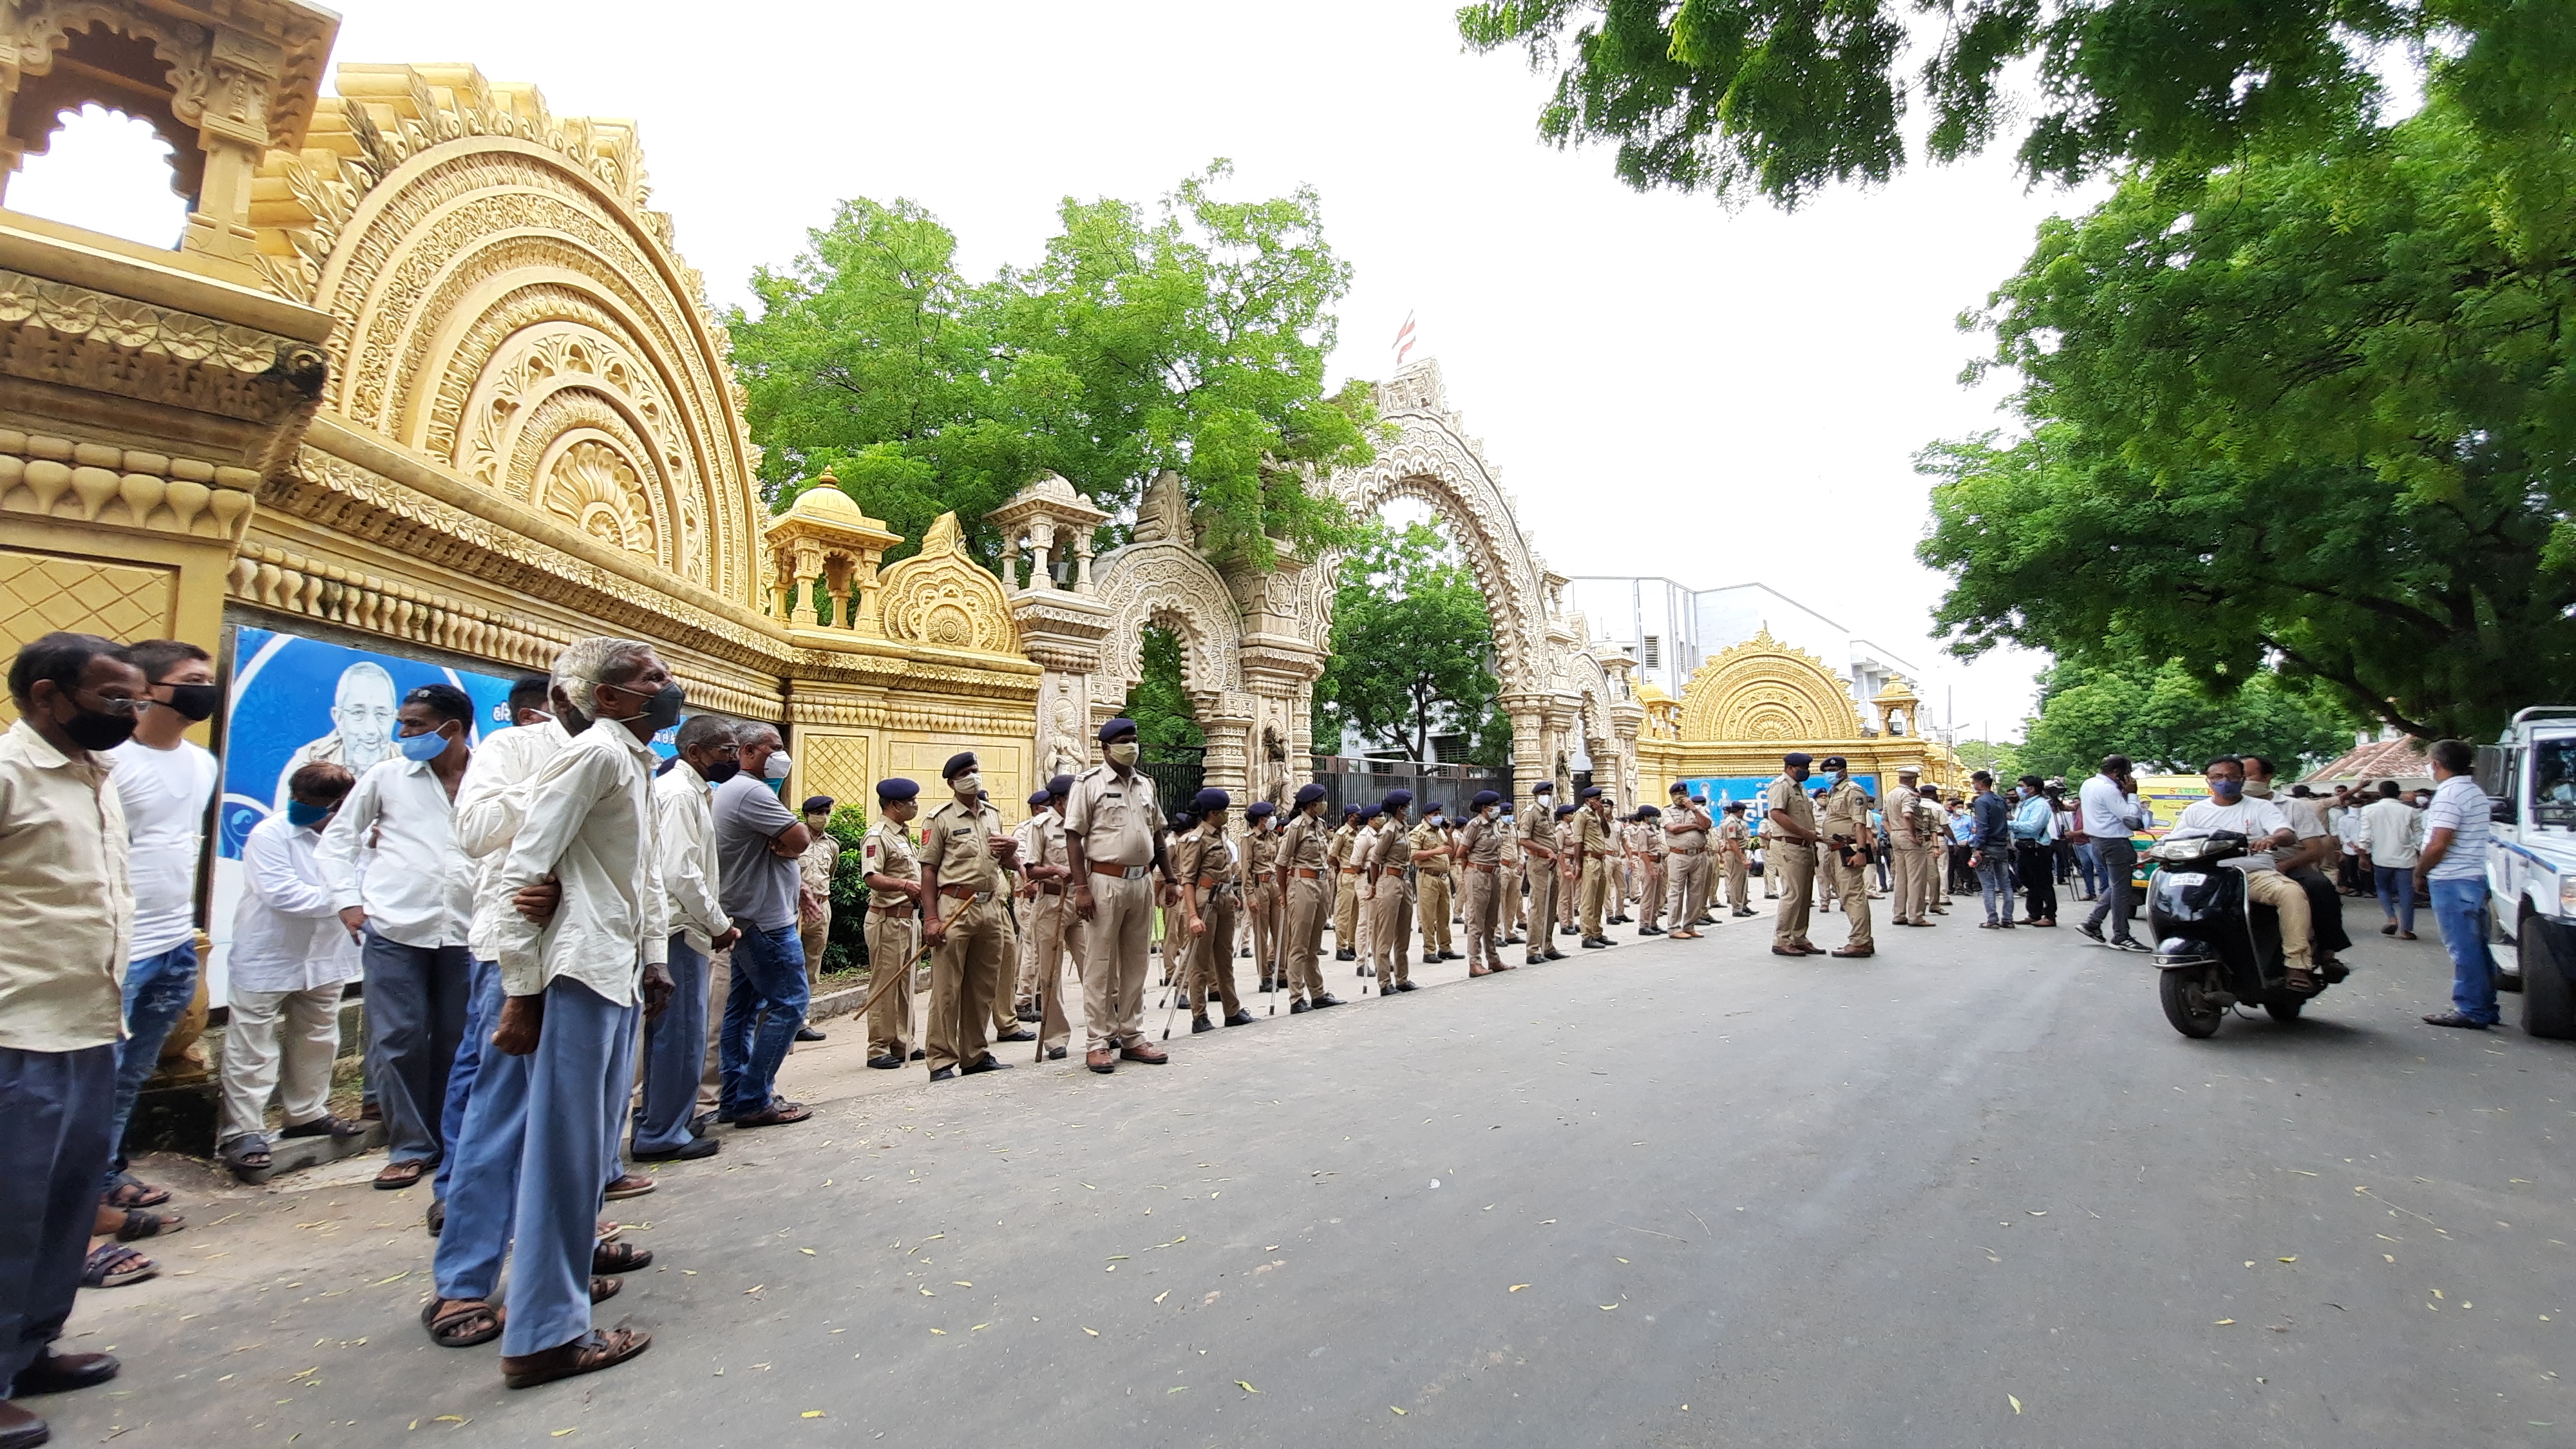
2453,867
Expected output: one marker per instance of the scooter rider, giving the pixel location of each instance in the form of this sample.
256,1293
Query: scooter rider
2266,830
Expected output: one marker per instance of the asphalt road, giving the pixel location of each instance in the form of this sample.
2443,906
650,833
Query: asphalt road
1972,1192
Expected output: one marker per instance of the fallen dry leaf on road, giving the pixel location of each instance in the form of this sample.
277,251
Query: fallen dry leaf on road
943,1333
1247,1388
2016,1403
1391,1406
813,1413
1094,1332
2222,1323
1515,1288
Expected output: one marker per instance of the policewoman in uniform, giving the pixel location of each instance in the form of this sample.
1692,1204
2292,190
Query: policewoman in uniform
1302,853
1390,908
1480,856
1789,851
1848,840
1735,853
965,860
1538,849
1053,935
1592,843
1263,901
1210,888
1431,860
894,913
1110,823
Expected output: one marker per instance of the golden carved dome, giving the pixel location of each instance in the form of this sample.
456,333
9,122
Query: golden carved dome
826,502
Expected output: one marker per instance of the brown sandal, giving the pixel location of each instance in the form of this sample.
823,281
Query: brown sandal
593,1351
400,1175
778,1114
460,1322
619,1258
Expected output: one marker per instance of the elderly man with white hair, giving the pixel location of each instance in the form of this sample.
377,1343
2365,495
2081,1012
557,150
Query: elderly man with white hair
576,962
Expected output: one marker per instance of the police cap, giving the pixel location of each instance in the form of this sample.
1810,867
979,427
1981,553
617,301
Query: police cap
1259,810
1122,725
1591,792
1483,799
1797,757
1835,762
1398,800
818,805
1060,785
958,764
1211,799
1039,797
1308,794
897,790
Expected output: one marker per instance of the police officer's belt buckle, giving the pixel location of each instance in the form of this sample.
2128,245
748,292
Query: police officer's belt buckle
1123,872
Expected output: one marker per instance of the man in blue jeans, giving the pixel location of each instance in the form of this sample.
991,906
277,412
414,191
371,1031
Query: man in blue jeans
1990,851
2454,866
758,841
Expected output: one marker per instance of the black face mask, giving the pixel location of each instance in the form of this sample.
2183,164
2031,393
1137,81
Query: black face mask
663,710
721,771
193,701
94,730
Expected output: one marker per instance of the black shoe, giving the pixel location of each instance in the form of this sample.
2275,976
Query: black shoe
1568,931
1511,940
1245,953
61,1373
699,1126
986,1063
1650,930
1554,954
1534,960
1055,1054
1595,943
2453,1018
1269,984
1364,972
917,1054
1026,1013
1297,1006
943,1074
1199,1024
1346,955
1705,920
807,1033
1018,1036
697,1147
2091,932
1406,986
1327,999
887,1063
437,1218
1240,1018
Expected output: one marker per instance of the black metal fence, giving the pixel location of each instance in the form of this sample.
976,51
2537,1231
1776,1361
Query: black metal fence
1349,781
1177,779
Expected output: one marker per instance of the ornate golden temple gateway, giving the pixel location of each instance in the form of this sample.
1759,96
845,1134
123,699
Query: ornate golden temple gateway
1747,706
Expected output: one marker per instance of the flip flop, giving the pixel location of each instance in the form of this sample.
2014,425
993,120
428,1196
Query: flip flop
112,1266
400,1175
130,1193
139,1224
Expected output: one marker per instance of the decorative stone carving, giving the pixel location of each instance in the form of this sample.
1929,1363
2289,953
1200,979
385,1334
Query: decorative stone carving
1047,519
1162,581
940,596
1764,690
592,487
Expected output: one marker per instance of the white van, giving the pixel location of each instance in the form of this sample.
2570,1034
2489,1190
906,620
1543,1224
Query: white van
2529,776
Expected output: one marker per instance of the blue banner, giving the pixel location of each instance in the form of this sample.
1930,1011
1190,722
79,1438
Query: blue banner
1751,789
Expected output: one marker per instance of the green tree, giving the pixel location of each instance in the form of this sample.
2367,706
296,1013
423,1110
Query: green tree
2001,761
1413,648
2168,722
2313,414
1167,723
1783,97
1191,336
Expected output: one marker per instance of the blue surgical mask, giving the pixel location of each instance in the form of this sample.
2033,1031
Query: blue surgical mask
306,817
2226,789
422,747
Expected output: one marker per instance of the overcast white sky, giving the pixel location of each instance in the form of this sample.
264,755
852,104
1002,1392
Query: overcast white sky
1668,388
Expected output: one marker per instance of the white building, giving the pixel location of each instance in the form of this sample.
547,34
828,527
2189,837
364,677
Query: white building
1670,630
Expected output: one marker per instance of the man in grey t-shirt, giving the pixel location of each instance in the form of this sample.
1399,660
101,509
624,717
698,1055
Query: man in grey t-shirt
757,843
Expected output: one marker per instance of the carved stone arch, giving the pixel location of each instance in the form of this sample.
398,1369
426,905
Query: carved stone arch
942,597
479,249
1166,582
1764,690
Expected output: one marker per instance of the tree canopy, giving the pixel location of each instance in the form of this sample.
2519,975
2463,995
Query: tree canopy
1780,98
2313,412
2168,722
1167,722
1191,336
1413,649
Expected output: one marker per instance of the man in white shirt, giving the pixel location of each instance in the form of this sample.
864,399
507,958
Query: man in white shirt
2392,833
2310,865
65,918
406,893
675,1041
290,961
488,807
166,784
2453,865
2110,813
2230,810
573,973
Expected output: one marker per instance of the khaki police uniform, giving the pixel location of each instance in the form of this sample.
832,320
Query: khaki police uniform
1480,856
1906,845
1054,935
1847,816
1302,853
1654,871
1734,853
894,940
1791,860
1346,891
1117,820
1263,901
814,871
1932,866
1509,908
967,966
1203,862
1538,848
1592,838
1431,881
1686,835
1390,906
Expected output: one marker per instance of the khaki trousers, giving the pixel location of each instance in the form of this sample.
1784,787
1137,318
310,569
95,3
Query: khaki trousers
1434,911
1795,866
2290,899
1851,882
1686,893
1542,905
1264,913
1907,869
1739,880
1211,955
1508,905
814,938
1653,881
1481,903
1303,938
1567,893
1820,869
894,944
301,1030
966,977
1390,941
1006,1011
1932,877
1595,887
1114,966
719,982
1346,910
1053,936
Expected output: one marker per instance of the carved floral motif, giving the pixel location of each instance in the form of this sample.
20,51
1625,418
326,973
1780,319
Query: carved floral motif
940,596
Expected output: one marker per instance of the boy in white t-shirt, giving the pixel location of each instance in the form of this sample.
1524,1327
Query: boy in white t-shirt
166,784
